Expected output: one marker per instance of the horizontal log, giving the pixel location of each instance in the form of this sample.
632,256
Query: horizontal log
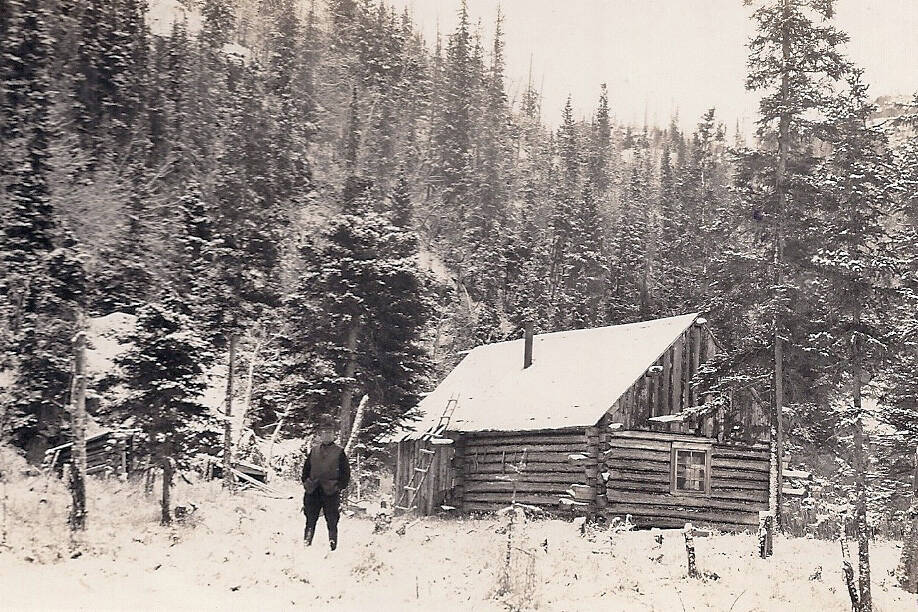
721,473
802,474
639,455
506,498
685,514
557,447
556,477
659,435
683,501
514,458
525,437
739,464
533,467
739,453
664,522
521,487
637,485
637,465
734,483
749,495
617,474
642,444
494,507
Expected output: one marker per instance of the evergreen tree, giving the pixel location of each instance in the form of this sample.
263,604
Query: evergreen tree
165,381
793,58
363,293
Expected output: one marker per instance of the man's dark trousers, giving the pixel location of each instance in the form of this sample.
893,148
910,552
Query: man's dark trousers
316,502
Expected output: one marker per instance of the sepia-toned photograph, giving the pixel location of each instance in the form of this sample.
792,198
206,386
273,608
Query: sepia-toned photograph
485,305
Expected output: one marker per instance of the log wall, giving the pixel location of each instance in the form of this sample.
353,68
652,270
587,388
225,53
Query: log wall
637,466
109,453
496,468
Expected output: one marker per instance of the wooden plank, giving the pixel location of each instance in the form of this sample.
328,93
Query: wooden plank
684,501
685,514
696,360
678,350
666,400
687,372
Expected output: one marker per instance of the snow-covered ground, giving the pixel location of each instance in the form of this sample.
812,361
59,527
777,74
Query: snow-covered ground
245,553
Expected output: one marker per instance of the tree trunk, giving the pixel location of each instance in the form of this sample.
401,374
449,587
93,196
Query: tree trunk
250,378
78,426
907,572
276,434
781,188
167,486
355,428
347,393
860,473
228,480
847,570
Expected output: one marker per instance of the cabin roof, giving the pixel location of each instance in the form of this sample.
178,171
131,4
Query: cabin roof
575,377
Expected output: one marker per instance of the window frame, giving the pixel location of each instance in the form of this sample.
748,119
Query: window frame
694,447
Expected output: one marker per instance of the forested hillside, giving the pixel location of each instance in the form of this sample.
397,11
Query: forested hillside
345,207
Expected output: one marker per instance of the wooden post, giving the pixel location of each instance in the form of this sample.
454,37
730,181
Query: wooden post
228,480
766,534
167,486
78,424
690,550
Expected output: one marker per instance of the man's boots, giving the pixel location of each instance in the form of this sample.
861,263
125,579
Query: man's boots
333,539
307,535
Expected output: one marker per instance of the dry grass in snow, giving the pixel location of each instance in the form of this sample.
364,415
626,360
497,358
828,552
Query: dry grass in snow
245,553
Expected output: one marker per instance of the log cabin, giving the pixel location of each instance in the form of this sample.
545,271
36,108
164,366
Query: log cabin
611,420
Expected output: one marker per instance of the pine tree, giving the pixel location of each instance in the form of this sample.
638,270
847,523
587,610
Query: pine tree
856,265
165,380
793,57
363,295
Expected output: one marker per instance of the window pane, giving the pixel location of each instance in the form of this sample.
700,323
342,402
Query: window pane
690,470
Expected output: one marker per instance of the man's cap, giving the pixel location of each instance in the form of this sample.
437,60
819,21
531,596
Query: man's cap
326,422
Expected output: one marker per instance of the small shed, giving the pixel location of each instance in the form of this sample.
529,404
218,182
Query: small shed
594,420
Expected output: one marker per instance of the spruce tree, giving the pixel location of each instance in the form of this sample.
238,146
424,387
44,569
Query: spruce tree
794,58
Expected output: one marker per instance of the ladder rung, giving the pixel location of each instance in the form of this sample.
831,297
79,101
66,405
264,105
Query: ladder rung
410,488
417,469
404,507
428,451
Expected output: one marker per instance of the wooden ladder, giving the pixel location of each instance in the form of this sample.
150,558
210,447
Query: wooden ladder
435,437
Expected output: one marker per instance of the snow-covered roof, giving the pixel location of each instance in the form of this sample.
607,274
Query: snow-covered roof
575,377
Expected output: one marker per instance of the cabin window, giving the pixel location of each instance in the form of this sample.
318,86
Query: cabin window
691,469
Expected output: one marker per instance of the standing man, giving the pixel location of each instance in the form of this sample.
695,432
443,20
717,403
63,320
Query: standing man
325,474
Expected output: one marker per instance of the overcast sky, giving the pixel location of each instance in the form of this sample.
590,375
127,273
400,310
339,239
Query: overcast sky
661,55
